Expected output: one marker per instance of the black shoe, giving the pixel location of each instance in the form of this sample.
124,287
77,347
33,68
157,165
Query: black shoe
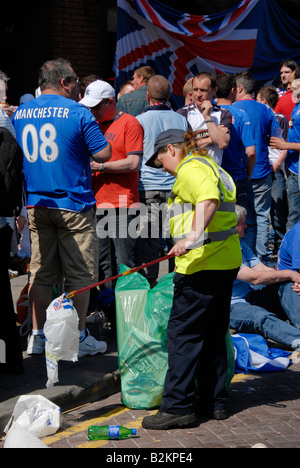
220,414
162,420
208,412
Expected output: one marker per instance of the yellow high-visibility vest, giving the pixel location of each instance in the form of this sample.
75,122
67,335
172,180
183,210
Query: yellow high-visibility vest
199,178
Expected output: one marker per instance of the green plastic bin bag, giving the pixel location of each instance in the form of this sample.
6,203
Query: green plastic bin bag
142,316
142,319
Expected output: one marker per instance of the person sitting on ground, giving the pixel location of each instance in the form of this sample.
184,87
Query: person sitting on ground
255,304
289,258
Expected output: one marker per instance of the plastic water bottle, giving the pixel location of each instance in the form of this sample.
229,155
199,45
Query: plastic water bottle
109,432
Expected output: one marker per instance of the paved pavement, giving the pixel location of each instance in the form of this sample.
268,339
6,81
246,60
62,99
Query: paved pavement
264,408
87,380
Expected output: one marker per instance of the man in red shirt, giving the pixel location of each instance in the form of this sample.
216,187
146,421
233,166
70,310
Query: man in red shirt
286,104
115,183
287,101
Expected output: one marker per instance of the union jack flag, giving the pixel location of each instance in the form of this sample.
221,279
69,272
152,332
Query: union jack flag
179,45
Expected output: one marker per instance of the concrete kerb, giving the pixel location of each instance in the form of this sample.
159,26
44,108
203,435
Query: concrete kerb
88,389
90,379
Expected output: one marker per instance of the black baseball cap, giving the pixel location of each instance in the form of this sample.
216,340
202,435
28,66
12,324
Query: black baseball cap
171,136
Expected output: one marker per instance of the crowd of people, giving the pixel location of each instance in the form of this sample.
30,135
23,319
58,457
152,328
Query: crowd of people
108,180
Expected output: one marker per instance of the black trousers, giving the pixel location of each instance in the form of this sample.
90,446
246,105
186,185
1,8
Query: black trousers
8,329
197,351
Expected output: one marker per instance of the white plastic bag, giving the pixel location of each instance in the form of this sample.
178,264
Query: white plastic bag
62,336
35,414
20,438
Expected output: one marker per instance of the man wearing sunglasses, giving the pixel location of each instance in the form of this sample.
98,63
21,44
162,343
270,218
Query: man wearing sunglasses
58,136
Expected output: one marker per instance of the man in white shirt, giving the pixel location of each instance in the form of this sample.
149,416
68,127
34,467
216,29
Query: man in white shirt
205,116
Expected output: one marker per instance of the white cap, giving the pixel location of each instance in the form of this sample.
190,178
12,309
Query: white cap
96,92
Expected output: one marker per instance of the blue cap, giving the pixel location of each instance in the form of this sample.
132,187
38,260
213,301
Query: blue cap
133,431
26,98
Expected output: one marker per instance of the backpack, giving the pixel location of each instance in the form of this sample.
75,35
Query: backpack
11,173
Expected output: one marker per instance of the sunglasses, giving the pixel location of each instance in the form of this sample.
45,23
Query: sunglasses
73,78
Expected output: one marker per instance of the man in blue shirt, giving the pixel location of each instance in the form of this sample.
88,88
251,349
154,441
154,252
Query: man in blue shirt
292,161
263,122
58,136
240,156
255,304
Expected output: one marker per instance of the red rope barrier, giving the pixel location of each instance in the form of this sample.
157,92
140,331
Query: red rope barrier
125,273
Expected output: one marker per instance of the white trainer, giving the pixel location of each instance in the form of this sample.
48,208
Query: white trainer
90,346
35,345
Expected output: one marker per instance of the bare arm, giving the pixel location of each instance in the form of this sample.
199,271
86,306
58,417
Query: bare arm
103,155
261,274
281,144
250,159
121,166
219,134
20,222
276,165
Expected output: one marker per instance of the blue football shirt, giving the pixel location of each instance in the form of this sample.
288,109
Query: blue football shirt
58,136
241,137
292,160
263,122
289,253
242,289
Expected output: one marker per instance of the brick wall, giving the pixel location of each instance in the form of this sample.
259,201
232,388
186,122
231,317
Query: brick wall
38,31
79,33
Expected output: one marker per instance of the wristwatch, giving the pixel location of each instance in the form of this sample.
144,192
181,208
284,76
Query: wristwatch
101,167
209,120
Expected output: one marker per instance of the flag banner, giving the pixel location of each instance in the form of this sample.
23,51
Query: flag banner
252,354
254,34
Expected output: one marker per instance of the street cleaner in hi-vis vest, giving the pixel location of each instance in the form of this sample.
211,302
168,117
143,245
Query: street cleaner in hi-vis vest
202,223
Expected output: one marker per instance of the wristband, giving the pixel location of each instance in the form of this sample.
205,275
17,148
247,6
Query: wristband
101,167
208,120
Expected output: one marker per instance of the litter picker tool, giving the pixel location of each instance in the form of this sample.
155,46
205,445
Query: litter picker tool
125,273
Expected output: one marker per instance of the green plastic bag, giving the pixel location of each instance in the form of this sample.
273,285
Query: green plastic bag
142,319
142,316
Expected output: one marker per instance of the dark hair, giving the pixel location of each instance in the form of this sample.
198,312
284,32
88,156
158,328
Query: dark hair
225,83
87,80
270,94
206,74
247,80
52,72
289,63
297,73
